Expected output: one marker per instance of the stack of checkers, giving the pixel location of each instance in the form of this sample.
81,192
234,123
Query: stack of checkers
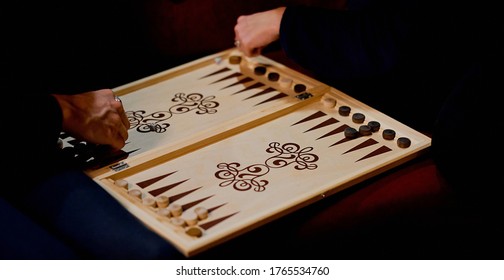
364,129
174,213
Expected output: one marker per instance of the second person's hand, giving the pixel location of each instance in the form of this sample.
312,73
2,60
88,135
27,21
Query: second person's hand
256,31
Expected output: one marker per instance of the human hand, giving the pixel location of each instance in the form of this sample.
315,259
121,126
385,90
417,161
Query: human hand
95,116
256,31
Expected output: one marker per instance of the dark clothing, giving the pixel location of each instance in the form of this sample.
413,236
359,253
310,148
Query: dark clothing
66,47
62,47
70,217
433,66
53,210
87,222
22,237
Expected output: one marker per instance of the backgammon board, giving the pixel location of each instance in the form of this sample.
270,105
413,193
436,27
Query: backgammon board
224,144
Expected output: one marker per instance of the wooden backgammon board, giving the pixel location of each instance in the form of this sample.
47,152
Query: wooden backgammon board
224,144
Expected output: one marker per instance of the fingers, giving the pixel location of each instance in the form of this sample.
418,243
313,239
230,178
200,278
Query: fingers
256,31
246,50
255,52
123,132
117,132
248,37
121,112
246,47
121,125
241,42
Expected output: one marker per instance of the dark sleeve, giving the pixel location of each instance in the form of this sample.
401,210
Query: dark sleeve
36,129
34,116
33,124
381,52
341,44
47,119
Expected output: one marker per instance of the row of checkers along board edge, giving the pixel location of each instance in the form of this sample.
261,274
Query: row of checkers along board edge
226,143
